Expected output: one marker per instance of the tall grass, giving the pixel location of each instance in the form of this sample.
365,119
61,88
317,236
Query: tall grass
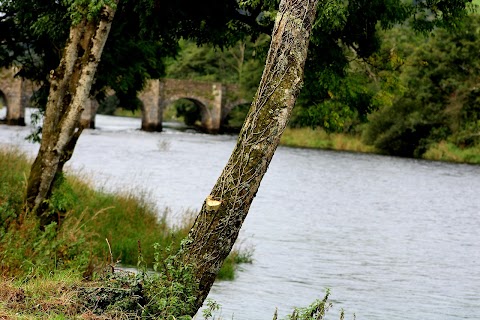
446,151
13,169
48,265
87,218
319,139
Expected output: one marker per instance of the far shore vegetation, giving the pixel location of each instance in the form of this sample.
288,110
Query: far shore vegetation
320,139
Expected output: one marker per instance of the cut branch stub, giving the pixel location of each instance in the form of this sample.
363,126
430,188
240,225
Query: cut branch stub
212,205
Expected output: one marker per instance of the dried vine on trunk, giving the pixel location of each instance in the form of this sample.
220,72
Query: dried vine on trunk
70,86
217,225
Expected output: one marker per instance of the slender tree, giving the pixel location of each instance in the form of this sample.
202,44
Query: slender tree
217,225
70,85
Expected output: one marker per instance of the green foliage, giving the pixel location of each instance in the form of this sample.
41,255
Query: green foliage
91,9
427,15
211,308
24,248
346,77
447,151
143,34
316,311
320,139
340,86
171,292
12,182
28,251
441,99
188,111
167,293
402,129
241,63
231,263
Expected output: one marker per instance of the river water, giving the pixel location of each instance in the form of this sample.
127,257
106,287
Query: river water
392,238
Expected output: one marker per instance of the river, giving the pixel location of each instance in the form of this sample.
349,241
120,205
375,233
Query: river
392,238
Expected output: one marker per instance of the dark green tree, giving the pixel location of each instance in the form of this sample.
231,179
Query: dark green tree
36,38
344,81
441,99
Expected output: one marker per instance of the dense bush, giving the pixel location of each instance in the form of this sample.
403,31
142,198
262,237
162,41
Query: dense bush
441,99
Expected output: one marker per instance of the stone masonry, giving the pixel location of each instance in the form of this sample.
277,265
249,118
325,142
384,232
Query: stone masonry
214,99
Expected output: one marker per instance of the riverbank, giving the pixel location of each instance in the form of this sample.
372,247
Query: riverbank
319,139
96,231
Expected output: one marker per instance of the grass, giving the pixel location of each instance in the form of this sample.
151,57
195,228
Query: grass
48,267
88,217
128,113
51,296
319,139
446,151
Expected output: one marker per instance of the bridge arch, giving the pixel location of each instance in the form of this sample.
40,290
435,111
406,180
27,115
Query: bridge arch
232,105
3,99
214,99
234,114
12,89
200,102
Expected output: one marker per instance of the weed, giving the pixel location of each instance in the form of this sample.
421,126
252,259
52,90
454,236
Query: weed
316,311
211,307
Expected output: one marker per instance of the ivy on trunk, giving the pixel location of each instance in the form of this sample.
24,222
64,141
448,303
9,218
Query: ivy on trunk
217,225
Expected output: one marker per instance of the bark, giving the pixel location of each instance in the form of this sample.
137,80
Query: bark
70,86
217,225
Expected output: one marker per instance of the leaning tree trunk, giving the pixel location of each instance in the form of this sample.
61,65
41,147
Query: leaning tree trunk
70,86
217,225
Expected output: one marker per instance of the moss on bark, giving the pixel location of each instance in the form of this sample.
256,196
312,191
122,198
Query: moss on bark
214,232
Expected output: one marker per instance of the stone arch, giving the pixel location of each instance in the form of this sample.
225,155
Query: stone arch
3,99
3,104
214,99
234,114
200,102
12,88
232,105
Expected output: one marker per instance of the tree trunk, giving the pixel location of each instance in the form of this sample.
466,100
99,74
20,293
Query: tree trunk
70,86
217,225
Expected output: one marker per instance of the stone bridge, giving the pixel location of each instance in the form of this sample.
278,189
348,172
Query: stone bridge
214,100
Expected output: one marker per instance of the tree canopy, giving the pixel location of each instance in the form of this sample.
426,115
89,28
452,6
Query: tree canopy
440,100
32,36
